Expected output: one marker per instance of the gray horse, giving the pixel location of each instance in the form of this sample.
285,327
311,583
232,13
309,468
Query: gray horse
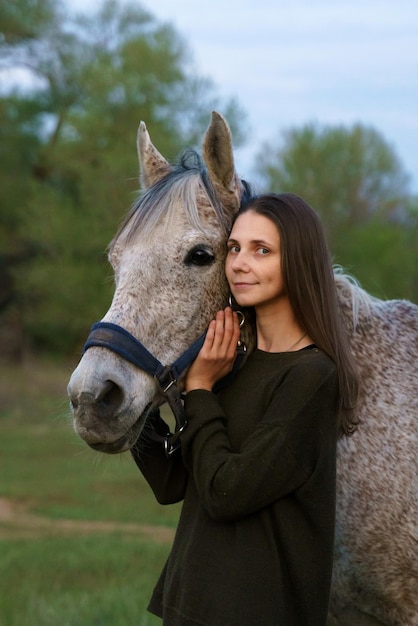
168,260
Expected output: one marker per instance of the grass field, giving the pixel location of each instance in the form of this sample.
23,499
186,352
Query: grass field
82,540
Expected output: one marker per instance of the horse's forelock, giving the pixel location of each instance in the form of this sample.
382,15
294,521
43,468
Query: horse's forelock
184,185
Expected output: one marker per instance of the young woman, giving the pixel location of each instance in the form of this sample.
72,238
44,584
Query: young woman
254,544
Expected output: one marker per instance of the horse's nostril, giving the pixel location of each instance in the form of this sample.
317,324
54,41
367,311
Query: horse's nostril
110,394
104,390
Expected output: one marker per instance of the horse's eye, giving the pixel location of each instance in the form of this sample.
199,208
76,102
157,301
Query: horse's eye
199,256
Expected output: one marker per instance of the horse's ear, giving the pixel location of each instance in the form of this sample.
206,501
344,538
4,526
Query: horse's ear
152,165
219,159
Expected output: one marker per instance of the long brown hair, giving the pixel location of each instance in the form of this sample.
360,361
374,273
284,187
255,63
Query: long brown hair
308,278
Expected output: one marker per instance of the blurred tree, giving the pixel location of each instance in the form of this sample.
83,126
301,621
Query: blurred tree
68,165
355,181
22,22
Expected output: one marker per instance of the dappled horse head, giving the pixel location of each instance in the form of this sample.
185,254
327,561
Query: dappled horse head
168,261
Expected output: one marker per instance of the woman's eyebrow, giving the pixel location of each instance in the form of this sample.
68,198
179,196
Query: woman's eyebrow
253,241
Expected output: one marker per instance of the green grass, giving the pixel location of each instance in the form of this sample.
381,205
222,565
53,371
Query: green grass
98,580
70,579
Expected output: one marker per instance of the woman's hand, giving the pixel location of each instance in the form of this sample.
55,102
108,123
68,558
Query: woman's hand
218,353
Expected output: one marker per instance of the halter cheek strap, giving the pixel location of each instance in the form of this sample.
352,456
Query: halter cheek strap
120,341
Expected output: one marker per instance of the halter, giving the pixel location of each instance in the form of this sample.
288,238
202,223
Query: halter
120,341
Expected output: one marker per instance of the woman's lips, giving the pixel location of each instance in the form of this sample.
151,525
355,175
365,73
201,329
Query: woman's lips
240,286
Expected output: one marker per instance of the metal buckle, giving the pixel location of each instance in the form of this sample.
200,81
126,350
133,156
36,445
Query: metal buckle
167,380
171,442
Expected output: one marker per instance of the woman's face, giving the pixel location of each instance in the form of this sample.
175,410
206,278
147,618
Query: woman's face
253,262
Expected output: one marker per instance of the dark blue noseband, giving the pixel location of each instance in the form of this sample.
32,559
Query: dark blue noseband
120,341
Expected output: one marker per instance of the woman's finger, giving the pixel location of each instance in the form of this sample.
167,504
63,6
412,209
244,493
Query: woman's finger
219,330
222,335
210,335
235,335
232,331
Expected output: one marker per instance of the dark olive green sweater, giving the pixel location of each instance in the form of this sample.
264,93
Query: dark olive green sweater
254,544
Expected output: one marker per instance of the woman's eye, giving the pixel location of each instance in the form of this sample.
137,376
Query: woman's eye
263,251
233,249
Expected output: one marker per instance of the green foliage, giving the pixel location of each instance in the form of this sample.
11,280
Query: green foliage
383,257
68,165
355,181
21,21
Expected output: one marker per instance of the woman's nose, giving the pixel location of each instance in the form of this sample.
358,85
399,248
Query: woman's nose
240,262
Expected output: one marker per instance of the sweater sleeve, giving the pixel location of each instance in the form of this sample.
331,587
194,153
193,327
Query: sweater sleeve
276,459
167,477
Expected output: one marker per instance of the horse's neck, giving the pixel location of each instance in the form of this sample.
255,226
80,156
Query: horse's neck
356,305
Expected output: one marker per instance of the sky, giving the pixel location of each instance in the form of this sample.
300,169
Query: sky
292,62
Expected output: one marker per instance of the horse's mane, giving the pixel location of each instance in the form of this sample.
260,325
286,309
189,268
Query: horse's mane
184,183
352,296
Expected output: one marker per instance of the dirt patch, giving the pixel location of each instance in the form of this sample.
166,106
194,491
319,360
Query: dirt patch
16,521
